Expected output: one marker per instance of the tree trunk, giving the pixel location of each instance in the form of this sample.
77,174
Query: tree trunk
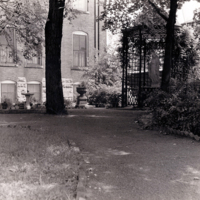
53,38
169,46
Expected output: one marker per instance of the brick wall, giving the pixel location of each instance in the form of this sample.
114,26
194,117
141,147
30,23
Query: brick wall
84,22
10,73
34,74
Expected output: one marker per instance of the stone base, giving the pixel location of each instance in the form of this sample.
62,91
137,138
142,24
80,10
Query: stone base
81,102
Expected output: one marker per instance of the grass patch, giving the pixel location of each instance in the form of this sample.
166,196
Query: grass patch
37,165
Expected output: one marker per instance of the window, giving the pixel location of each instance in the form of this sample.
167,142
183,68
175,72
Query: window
8,90
79,49
81,5
35,88
6,54
7,46
34,60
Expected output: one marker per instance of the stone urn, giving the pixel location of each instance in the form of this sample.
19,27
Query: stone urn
81,99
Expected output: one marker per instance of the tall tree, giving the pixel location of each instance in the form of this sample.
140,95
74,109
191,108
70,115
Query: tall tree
118,15
53,38
169,45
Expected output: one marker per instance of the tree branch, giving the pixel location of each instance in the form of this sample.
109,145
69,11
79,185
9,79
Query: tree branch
158,10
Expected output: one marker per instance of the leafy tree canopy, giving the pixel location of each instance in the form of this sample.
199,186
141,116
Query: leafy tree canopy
119,15
28,18
105,72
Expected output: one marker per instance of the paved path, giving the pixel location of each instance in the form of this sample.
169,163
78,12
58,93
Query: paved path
122,161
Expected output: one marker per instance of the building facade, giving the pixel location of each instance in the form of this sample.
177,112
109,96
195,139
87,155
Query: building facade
82,39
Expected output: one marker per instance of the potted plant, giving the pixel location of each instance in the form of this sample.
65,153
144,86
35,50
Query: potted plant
74,103
20,105
67,103
6,103
34,103
13,106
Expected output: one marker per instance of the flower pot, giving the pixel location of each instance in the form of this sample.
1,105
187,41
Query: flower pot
73,105
12,108
21,105
82,99
81,90
4,105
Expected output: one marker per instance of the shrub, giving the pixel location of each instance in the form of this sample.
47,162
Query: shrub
98,97
179,110
7,101
103,96
67,103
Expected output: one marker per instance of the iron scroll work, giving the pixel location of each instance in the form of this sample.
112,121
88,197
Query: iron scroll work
138,45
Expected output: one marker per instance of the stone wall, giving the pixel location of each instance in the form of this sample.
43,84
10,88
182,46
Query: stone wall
85,23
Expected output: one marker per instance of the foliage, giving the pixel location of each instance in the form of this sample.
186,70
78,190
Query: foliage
119,16
69,103
179,110
194,73
105,72
105,96
28,19
82,84
7,101
34,100
104,78
186,50
98,97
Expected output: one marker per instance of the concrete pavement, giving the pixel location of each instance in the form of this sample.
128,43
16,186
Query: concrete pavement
122,161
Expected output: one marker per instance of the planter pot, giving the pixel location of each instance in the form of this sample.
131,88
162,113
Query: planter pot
4,105
81,90
21,106
82,99
13,108
73,105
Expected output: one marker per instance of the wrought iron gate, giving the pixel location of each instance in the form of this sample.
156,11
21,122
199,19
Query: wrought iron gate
138,44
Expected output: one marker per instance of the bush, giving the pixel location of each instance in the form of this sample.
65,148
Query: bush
7,102
103,97
68,103
98,97
179,110
114,99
